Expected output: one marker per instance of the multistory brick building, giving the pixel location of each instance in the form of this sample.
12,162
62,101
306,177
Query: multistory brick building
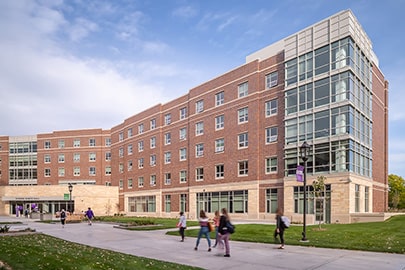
234,141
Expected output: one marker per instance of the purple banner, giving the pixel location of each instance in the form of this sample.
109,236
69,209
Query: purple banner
300,173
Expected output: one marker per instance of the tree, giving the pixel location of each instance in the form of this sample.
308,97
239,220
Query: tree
396,194
319,193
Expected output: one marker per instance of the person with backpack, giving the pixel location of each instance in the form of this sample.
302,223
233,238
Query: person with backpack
63,217
280,227
225,229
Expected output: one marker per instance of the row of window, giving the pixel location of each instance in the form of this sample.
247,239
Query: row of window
243,91
76,171
76,143
76,157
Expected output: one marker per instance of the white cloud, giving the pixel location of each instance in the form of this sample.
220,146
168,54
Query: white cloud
81,28
185,12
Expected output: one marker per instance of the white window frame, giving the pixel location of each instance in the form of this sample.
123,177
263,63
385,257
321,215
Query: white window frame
152,180
153,160
219,145
269,166
271,107
243,115
271,134
140,163
183,176
219,174
199,150
61,158
168,178
183,113
243,89
152,123
141,181
168,138
92,171
140,146
199,106
243,140
183,154
141,128
272,80
199,174
219,98
199,128
219,122
168,157
168,119
243,168
183,134
152,142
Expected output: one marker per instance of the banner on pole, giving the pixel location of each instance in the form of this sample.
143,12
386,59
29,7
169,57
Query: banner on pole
300,173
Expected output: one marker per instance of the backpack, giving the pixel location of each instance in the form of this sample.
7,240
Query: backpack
285,221
62,215
230,227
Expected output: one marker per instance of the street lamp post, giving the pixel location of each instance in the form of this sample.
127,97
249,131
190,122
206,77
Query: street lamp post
304,151
70,186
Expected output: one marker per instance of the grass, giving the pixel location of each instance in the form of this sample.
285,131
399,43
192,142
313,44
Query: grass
144,223
46,252
387,236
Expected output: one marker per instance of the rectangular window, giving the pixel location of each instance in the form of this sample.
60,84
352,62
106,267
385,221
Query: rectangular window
219,98
129,132
47,158
152,142
271,107
183,113
271,80
199,174
243,140
92,156
76,157
130,183
168,157
168,138
121,184
243,168
182,134
199,128
76,171
168,119
47,172
141,129
61,158
199,150
92,171
183,154
121,168
183,202
322,60
271,134
219,145
121,136
168,179
219,122
199,106
366,199
108,170
243,115
357,198
129,149
107,141
271,200
61,144
183,176
47,145
140,146
61,172
152,160
152,124
129,165
121,152
153,180
92,142
243,90
219,171
167,203
140,181
76,143
271,165
140,163
108,156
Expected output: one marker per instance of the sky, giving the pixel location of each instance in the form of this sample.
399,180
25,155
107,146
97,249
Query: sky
81,64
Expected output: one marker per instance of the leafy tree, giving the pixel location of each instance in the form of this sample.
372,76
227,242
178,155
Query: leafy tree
396,194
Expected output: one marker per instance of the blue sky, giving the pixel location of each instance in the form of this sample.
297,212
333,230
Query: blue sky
91,64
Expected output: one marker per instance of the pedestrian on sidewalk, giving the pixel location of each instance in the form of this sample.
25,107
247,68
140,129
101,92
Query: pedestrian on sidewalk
204,230
216,219
63,217
182,225
89,215
279,228
224,234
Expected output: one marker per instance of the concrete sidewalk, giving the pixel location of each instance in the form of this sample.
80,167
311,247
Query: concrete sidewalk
158,245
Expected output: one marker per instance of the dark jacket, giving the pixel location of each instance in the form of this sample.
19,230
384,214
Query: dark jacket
279,223
222,229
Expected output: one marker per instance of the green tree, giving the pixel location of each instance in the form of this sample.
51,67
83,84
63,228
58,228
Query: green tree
396,194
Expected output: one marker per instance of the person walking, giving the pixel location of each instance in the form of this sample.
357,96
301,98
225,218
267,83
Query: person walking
89,215
63,217
204,230
216,219
224,234
279,228
182,225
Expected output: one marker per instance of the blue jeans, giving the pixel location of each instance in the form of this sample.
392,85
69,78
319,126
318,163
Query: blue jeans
206,232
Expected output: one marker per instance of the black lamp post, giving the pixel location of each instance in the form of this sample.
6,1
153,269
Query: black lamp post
304,152
70,186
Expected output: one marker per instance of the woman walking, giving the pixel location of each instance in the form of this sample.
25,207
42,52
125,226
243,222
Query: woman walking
279,227
204,230
216,223
182,225
224,234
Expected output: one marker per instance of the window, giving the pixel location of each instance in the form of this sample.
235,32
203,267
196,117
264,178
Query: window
167,203
322,60
47,158
271,165
271,107
357,198
168,157
121,184
92,156
61,144
182,134
121,168
76,171
219,122
219,98
140,181
140,163
183,176
183,113
47,172
107,141
183,202
199,150
152,124
199,106
168,179
129,165
140,146
140,128
47,145
168,119
243,115
219,171
271,134
61,158
121,136
219,145
92,142
153,180
92,171
129,149
199,128
130,133
130,184
168,138
271,80
199,174
366,199
243,90
243,168
76,157
108,170
61,172
108,156
121,152
76,143
152,142
183,154
152,160
271,200
243,140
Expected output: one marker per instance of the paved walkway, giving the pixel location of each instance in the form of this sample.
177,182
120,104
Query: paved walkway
158,245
